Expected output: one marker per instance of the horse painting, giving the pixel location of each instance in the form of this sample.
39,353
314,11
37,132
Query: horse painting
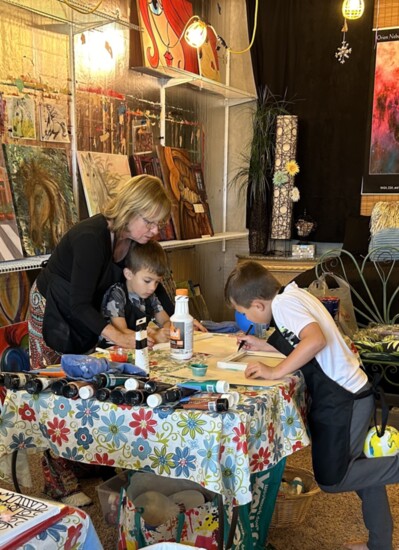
22,118
43,194
53,126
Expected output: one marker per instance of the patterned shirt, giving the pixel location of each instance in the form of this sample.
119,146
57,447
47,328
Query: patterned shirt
114,302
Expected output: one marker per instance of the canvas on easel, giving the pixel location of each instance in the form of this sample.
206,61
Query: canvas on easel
190,212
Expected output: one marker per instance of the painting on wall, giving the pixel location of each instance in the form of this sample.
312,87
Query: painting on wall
53,122
21,117
161,44
190,212
149,164
101,173
10,243
382,164
14,297
43,196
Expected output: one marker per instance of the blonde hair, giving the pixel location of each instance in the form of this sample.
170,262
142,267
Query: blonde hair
141,195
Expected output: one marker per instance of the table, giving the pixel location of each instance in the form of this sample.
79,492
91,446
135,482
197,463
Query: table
219,451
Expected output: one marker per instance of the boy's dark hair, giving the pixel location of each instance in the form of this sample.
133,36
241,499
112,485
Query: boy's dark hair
250,281
149,256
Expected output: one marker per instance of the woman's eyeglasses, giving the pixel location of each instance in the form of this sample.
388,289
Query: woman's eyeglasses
152,225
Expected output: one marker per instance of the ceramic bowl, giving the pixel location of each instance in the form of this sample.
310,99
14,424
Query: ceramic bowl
199,369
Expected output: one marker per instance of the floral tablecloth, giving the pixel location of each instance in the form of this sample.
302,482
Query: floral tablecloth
217,450
74,531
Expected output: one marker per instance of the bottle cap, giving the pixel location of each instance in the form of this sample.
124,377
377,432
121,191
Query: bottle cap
86,392
230,399
181,292
131,384
222,386
222,405
154,400
236,397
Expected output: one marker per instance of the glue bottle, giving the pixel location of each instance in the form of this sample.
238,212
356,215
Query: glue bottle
141,355
181,328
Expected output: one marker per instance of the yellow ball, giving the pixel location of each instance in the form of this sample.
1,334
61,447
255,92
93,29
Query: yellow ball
387,445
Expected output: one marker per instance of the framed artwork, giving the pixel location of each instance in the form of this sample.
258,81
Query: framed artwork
149,164
101,173
381,173
14,297
161,45
43,196
190,211
21,117
10,243
142,137
53,122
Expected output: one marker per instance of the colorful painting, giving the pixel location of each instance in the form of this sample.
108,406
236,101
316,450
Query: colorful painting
43,196
190,211
101,173
149,164
10,243
14,347
162,44
21,117
53,122
383,156
14,297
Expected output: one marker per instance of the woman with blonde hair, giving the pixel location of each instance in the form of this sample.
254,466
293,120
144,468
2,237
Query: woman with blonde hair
68,292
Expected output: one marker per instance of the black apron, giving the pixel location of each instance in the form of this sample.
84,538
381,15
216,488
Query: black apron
329,417
134,314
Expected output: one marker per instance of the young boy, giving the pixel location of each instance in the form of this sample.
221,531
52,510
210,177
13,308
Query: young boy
125,303
341,401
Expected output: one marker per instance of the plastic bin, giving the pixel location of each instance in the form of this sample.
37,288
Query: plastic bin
109,496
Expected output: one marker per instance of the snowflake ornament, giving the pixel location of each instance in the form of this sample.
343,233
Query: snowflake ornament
343,52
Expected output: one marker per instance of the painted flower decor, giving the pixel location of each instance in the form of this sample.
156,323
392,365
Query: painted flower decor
282,177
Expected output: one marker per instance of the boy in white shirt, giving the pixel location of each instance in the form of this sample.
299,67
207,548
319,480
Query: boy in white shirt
341,401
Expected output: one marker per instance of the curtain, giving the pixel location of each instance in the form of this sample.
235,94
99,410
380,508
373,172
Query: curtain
294,55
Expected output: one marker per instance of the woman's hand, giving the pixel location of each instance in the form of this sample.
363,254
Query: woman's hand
199,326
159,335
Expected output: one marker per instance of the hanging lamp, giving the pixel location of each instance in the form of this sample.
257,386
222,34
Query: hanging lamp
353,9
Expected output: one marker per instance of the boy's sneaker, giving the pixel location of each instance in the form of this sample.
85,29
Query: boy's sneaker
78,500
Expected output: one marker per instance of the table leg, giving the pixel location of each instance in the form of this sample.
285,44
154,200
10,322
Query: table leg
14,471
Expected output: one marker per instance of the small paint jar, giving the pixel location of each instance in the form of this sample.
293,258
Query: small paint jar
198,369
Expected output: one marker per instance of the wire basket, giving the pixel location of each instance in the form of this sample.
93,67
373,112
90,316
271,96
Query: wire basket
292,509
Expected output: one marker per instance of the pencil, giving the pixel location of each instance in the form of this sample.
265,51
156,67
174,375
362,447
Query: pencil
246,334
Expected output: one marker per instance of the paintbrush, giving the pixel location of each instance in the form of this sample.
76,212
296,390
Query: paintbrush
246,334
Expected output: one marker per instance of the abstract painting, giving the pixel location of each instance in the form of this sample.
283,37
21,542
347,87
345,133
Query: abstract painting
382,168
190,211
53,122
101,173
14,348
43,196
162,44
21,117
10,243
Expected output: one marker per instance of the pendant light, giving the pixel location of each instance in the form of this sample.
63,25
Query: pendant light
353,9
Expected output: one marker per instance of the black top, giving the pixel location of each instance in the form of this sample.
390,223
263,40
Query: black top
83,257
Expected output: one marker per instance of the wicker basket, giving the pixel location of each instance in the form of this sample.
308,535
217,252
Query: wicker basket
292,509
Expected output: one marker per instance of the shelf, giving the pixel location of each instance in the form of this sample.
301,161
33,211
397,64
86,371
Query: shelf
229,236
59,11
178,77
25,264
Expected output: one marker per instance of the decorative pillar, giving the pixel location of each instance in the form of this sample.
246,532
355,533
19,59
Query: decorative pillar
286,139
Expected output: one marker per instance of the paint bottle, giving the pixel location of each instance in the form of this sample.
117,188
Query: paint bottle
153,386
141,355
211,397
16,380
216,405
211,386
132,383
117,395
85,392
36,385
136,397
57,386
102,394
107,380
181,328
71,390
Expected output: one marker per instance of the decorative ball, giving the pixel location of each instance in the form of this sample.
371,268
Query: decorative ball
387,445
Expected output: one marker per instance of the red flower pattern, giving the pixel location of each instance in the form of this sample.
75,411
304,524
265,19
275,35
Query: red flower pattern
260,460
57,431
241,438
270,432
143,423
27,413
73,536
104,460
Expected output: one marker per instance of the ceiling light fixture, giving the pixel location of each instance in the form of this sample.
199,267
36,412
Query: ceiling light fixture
353,9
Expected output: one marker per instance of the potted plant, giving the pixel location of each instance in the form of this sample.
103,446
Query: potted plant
255,176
